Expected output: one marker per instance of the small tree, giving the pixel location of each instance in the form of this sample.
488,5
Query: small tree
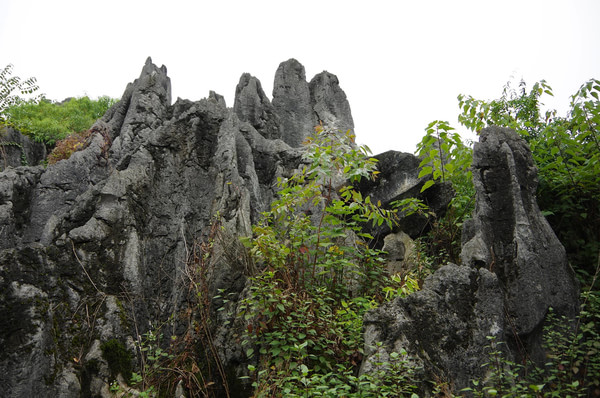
11,89
317,278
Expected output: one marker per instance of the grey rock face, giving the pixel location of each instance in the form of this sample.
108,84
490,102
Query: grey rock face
509,235
252,106
291,99
16,195
297,106
113,223
18,150
446,323
329,102
99,246
514,269
397,180
399,248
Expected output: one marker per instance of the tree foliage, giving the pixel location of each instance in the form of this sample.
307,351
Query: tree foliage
317,278
49,122
447,159
12,88
566,151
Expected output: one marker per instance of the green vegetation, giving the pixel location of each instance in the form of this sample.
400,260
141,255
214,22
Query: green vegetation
316,275
447,159
11,84
317,278
63,126
566,151
50,122
572,368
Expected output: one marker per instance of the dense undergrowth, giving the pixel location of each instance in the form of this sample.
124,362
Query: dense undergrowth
318,277
50,122
63,127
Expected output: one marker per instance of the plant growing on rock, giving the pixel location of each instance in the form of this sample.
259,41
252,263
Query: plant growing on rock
447,159
318,275
572,367
567,153
66,147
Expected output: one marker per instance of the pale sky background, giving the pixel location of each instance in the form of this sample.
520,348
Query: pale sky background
401,63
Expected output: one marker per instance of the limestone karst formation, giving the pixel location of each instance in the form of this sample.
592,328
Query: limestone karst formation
513,270
95,248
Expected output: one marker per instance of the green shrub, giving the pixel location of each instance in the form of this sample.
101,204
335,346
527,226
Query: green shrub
318,278
66,147
8,85
572,367
49,122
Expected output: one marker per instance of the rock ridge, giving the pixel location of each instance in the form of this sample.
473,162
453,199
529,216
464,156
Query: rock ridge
98,246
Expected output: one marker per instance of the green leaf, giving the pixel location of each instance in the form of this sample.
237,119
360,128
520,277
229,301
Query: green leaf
427,185
425,171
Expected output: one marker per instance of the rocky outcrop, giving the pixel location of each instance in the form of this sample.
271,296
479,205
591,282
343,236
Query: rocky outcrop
252,106
329,102
115,223
301,106
18,150
444,326
509,236
139,231
398,179
291,99
514,269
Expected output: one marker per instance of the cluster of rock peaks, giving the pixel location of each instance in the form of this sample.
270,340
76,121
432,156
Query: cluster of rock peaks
96,248
297,105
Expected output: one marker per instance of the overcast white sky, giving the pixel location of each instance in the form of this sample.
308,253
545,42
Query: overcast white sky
401,63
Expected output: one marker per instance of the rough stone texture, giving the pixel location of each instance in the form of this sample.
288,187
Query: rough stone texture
509,235
329,102
115,225
16,194
291,99
397,180
252,106
514,269
400,249
18,150
102,245
446,323
301,106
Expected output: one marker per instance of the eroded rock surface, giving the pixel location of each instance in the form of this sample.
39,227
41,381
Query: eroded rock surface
509,235
514,269
116,223
18,150
108,244
301,106
399,179
445,325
